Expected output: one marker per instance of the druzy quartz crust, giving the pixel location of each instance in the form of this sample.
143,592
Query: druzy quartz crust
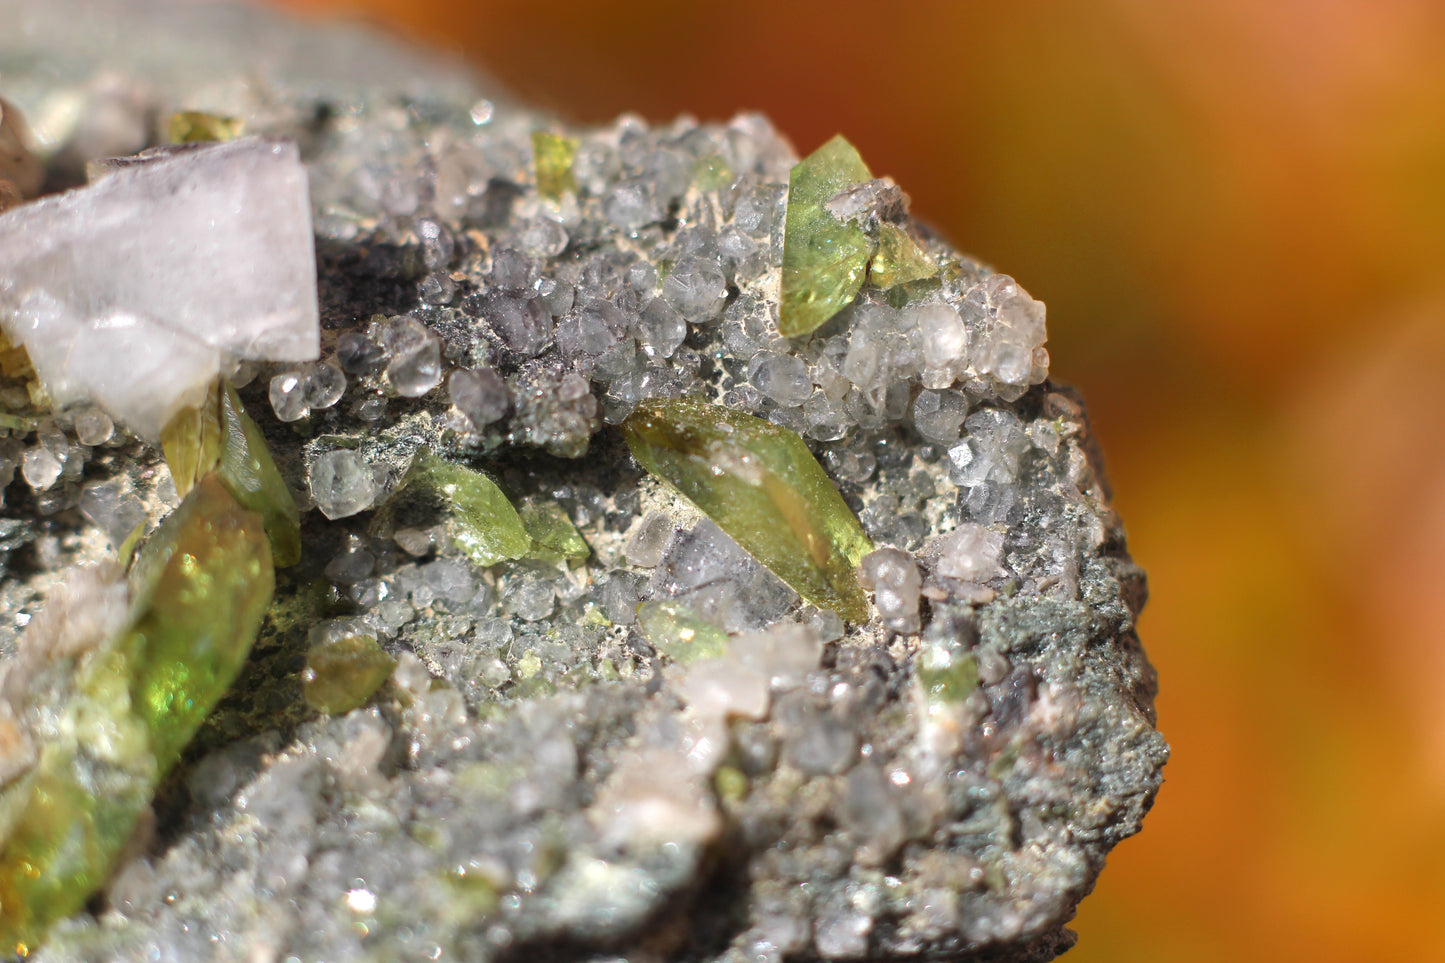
656,545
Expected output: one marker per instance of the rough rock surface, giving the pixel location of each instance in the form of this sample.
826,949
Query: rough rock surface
659,751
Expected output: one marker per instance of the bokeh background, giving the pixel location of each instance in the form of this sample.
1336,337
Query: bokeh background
1235,210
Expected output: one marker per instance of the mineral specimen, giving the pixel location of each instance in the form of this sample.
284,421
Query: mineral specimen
489,530
344,666
198,127
218,436
552,156
842,665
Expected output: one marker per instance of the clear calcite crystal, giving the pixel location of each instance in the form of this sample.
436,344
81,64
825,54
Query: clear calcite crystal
135,292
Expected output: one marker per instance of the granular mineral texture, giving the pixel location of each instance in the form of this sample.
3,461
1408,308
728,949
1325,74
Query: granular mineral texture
696,561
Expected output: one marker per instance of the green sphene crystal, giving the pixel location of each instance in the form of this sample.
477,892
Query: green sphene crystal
191,442
899,259
731,784
554,537
341,675
200,589
712,173
488,528
676,631
552,154
219,436
196,127
824,259
762,486
946,676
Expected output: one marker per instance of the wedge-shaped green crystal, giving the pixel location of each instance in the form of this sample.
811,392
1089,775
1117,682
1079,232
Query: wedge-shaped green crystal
824,259
191,442
196,127
342,673
554,537
200,589
552,154
675,629
763,487
946,676
899,259
219,436
488,528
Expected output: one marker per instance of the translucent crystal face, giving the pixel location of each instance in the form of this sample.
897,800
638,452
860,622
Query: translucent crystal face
157,660
133,292
763,487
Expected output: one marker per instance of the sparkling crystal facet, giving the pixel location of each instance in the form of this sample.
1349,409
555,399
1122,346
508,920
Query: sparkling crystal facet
824,259
762,486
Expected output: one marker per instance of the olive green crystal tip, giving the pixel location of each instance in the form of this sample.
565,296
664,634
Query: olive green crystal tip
554,537
488,529
899,259
673,628
219,436
946,676
761,485
343,673
196,127
200,589
552,155
824,259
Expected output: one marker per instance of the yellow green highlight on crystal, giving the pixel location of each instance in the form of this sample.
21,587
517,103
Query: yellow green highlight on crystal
552,156
218,436
486,526
824,259
763,487
200,589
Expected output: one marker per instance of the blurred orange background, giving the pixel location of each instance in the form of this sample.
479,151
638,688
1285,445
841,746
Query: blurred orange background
1235,210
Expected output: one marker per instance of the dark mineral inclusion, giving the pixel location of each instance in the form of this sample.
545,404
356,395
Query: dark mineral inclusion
526,695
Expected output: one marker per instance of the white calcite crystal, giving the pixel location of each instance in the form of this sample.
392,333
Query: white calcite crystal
134,293
970,553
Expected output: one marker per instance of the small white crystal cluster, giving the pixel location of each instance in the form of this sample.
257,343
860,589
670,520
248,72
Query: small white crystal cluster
136,292
84,610
986,345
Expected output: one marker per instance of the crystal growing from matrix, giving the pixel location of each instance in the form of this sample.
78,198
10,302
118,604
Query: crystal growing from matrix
136,292
824,258
763,487
148,670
